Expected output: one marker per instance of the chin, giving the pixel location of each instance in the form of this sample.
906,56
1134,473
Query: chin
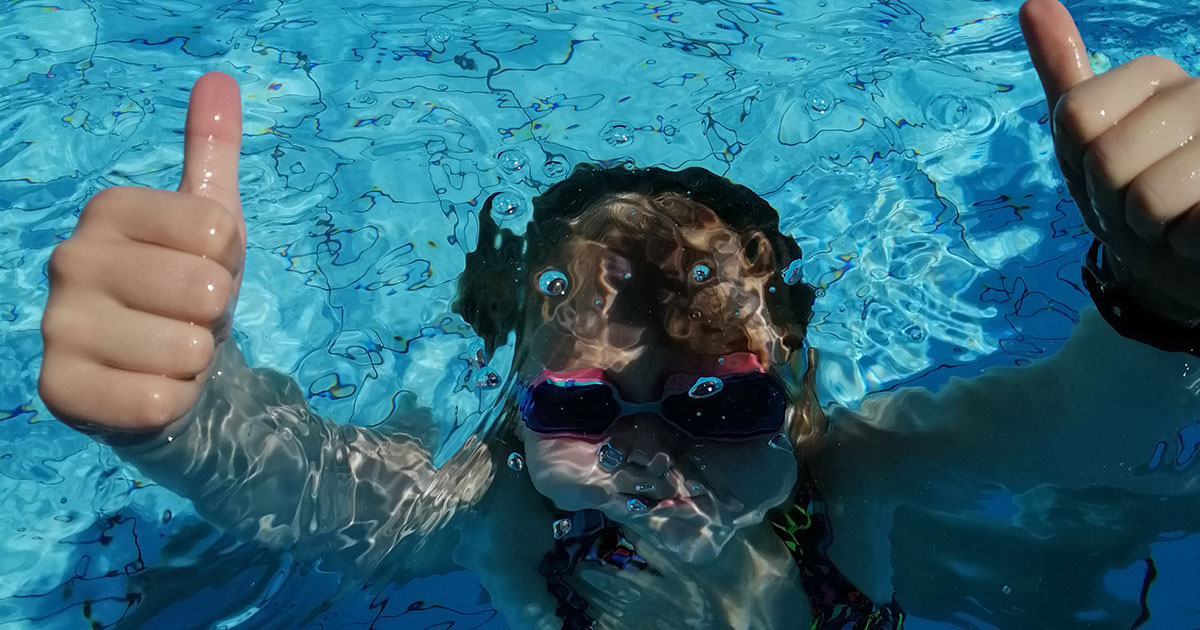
687,542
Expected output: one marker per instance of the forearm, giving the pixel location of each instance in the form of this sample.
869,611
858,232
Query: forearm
254,459
1092,414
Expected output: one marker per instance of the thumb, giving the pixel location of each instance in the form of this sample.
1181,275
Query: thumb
213,141
1056,47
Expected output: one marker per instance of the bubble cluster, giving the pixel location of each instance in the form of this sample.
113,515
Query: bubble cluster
701,272
554,167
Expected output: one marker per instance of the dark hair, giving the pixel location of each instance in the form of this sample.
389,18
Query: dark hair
492,289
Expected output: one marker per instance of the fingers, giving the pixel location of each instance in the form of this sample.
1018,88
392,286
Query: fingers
1095,107
185,223
1164,193
213,141
143,278
1055,46
88,393
133,341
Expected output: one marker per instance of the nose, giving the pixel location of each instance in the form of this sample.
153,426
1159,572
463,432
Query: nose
656,462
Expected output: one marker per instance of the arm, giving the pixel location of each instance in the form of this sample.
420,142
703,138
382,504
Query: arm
1041,479
254,459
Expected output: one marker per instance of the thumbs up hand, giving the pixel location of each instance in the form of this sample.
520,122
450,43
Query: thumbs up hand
143,291
1126,143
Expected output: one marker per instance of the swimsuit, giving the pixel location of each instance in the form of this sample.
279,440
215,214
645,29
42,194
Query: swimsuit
803,527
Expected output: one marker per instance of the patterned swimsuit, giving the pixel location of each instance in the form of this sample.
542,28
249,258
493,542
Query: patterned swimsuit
803,527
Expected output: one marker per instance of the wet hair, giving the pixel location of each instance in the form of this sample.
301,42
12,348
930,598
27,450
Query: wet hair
493,290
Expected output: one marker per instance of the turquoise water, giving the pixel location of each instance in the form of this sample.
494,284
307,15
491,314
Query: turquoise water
904,145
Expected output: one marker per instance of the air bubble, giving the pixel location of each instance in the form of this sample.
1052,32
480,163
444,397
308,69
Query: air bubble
562,527
506,204
554,167
491,380
957,113
440,34
511,161
553,283
792,274
705,387
781,442
820,102
644,486
609,457
701,272
516,462
771,289
617,135
636,506
1006,590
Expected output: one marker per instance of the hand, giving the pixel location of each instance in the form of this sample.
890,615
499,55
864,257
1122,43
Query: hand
1125,143
143,291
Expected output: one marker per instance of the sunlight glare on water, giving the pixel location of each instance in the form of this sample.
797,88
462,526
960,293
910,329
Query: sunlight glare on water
904,144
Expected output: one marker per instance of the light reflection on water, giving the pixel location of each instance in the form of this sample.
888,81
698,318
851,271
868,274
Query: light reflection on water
903,143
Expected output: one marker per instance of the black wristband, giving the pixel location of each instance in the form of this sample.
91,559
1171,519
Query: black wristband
1127,317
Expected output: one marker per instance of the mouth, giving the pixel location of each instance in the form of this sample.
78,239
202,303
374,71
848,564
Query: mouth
700,505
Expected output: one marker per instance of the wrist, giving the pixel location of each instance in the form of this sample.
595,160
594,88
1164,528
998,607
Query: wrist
1135,308
1145,294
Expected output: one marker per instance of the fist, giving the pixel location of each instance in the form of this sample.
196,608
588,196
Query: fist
143,290
1125,141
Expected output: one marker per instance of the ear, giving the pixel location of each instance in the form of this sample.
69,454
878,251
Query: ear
756,249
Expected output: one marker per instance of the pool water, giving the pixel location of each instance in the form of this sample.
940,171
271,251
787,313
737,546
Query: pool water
904,144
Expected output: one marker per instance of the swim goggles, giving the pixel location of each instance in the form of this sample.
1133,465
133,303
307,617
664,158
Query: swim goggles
734,406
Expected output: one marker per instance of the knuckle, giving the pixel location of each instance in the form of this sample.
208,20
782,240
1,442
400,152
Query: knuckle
194,348
48,385
1143,204
220,230
56,324
67,260
211,285
1160,66
104,205
1071,114
156,407
1100,160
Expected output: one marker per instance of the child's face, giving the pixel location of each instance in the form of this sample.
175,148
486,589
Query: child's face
696,492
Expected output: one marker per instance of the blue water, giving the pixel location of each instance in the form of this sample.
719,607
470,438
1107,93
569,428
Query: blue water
904,144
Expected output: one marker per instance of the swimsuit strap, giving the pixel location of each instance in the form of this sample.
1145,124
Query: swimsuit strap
592,537
836,603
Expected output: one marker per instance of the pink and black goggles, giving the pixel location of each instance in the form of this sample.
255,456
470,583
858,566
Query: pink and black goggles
742,406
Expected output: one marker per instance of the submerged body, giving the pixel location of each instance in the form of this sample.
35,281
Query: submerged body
980,500
918,528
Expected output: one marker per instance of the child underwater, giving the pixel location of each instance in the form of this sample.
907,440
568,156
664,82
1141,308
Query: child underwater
663,462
